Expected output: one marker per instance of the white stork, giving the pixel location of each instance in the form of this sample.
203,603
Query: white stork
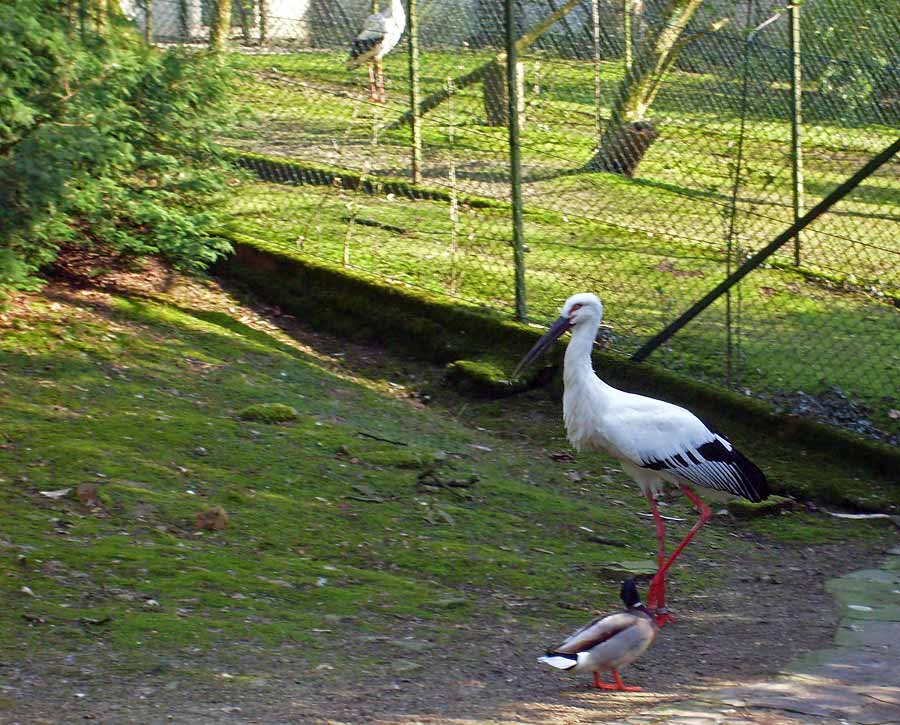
380,33
654,441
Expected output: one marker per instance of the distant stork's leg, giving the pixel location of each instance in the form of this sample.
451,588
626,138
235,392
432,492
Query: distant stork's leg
373,86
379,80
619,686
656,596
705,515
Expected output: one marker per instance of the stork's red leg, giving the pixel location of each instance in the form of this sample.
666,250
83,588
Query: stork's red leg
656,596
373,84
379,79
705,515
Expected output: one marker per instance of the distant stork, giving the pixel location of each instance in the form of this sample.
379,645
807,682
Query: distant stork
654,441
380,34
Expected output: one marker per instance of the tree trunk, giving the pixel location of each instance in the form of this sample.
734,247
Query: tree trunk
263,21
496,96
148,22
245,10
628,133
184,22
221,25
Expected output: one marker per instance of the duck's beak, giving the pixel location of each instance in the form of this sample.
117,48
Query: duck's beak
541,346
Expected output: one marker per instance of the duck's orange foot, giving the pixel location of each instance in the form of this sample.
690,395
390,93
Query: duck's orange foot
617,686
623,688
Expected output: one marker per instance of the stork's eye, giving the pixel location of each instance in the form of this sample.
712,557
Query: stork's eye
574,309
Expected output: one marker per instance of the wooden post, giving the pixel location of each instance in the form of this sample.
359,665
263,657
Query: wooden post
415,122
598,87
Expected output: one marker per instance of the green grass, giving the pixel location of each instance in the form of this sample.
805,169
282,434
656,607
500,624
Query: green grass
323,522
782,313
326,526
650,246
687,174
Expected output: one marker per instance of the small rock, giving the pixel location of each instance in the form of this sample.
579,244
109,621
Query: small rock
201,451
152,605
88,494
743,509
27,590
213,519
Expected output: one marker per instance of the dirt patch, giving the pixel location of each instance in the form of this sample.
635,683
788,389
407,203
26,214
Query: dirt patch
764,615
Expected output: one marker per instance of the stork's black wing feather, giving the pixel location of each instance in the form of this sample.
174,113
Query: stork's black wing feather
362,45
718,465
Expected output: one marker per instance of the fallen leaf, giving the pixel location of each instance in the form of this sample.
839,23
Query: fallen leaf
59,493
214,519
88,494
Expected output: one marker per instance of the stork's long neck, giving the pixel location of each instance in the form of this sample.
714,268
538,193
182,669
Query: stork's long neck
586,397
397,9
578,367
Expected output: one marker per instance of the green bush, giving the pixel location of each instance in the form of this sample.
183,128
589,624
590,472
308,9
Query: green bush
103,141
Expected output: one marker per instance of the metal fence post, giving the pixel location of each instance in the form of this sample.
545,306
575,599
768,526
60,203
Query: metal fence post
515,160
796,119
415,123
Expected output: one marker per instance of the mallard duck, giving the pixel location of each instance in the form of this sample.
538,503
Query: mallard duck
608,643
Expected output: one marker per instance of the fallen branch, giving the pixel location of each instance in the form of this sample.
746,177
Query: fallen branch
379,438
664,518
895,520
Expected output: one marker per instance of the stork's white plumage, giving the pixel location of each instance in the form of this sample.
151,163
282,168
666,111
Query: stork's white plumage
380,34
654,441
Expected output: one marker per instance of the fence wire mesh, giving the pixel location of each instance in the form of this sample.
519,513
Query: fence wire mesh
763,110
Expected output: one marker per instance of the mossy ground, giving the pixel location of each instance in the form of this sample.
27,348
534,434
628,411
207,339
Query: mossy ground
343,520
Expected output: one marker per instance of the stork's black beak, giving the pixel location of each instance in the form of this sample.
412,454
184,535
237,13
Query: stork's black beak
541,346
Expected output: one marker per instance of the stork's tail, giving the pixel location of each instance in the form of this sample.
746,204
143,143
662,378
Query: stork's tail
362,51
559,660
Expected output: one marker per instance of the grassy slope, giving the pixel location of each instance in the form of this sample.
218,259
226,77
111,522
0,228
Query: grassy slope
412,247
650,246
141,400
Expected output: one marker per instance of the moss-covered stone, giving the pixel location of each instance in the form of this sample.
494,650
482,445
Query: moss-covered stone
269,413
741,508
483,378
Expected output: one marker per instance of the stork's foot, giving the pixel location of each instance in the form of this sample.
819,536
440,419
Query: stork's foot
663,617
617,686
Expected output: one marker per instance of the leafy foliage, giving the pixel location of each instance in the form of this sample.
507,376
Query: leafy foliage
103,140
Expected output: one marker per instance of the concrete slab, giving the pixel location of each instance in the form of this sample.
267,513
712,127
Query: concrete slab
855,682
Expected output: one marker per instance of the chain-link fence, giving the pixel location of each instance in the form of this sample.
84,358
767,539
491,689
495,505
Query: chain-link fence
660,144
